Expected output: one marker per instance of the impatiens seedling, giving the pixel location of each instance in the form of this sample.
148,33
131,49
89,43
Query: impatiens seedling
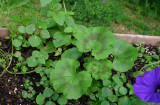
147,86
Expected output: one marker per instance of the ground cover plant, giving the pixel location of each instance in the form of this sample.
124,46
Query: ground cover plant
120,16
71,61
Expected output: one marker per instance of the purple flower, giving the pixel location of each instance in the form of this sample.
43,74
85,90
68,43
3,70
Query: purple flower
147,86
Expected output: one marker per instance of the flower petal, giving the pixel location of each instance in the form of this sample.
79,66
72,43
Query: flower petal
154,97
156,75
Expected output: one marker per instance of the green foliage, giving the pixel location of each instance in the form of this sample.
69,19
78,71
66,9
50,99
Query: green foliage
48,92
62,100
61,39
45,34
30,29
124,56
66,80
37,58
99,69
73,60
45,2
40,99
95,12
34,40
49,48
98,39
72,53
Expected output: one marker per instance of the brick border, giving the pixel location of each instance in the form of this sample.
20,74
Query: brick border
153,40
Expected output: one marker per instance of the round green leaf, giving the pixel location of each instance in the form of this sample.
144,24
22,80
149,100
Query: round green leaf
34,41
124,55
155,56
55,96
105,103
66,80
72,53
24,94
99,69
45,34
68,30
21,29
40,99
117,79
113,98
48,92
98,39
30,29
32,61
45,2
137,73
123,90
59,18
106,92
124,100
61,39
50,103
49,48
17,42
62,100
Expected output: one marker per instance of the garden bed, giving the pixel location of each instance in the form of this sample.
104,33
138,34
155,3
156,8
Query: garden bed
11,86
48,59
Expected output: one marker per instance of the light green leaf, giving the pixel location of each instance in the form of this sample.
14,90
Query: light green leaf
68,30
34,41
123,90
21,29
40,99
69,21
32,61
131,92
57,6
30,29
44,55
45,2
124,55
17,3
106,92
113,98
40,56
137,73
117,79
49,48
155,56
55,96
61,39
124,100
123,76
105,103
99,40
62,100
72,53
45,34
99,69
17,42
48,92
59,18
50,103
50,22
24,94
66,80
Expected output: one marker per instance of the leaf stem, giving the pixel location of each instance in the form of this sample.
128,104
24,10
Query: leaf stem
64,6
21,72
149,65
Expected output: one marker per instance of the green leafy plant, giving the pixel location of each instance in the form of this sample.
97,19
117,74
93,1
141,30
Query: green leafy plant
66,80
72,60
